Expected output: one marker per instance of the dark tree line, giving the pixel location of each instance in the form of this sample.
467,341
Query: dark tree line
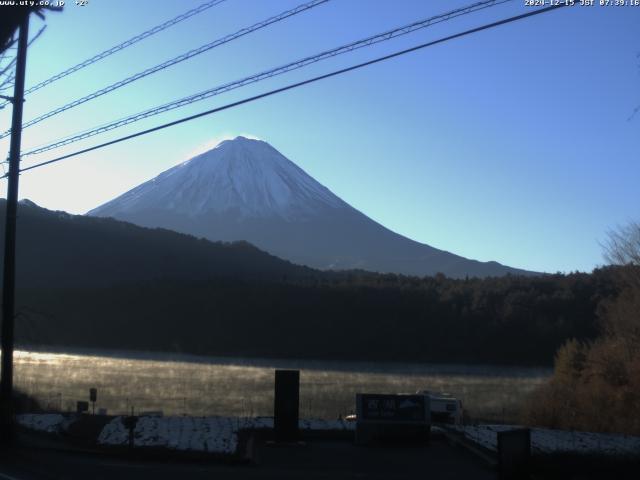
363,316
93,282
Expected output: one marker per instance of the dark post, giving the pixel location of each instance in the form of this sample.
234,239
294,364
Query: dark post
286,405
514,453
130,424
93,397
9,274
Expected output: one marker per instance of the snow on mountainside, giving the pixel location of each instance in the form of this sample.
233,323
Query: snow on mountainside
248,176
246,190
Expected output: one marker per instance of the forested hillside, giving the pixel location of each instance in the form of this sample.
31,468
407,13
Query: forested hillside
89,282
340,316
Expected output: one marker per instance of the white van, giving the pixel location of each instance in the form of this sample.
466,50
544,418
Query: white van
445,408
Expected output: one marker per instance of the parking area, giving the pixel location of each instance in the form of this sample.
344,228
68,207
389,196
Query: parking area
314,459
343,459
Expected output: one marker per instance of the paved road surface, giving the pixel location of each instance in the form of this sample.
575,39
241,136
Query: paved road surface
315,460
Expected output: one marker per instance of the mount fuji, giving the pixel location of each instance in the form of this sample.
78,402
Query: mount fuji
246,190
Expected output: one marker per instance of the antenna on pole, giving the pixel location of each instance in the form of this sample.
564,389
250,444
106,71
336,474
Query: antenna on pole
9,273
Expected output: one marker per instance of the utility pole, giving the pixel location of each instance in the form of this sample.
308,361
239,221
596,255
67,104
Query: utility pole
9,274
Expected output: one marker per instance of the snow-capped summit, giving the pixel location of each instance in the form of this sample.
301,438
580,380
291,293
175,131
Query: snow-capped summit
246,176
245,189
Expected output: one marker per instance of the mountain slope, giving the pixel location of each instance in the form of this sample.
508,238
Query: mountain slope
59,250
246,190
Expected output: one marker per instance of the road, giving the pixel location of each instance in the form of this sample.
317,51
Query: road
313,460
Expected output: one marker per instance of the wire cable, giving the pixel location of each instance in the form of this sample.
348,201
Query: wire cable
300,84
180,58
8,66
8,82
381,37
35,37
123,45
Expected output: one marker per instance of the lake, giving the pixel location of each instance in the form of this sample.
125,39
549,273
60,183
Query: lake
194,385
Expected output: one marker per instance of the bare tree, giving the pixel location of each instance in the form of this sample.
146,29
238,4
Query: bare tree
621,316
622,248
623,245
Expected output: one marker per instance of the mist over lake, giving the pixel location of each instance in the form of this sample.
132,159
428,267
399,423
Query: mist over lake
197,385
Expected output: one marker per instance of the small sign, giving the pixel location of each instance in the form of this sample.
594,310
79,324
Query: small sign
82,406
93,394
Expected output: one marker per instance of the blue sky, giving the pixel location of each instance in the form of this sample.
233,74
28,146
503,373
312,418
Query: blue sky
513,144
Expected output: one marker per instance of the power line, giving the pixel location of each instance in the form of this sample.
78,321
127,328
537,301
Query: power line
180,58
35,37
123,45
381,37
8,71
8,82
300,84
9,65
